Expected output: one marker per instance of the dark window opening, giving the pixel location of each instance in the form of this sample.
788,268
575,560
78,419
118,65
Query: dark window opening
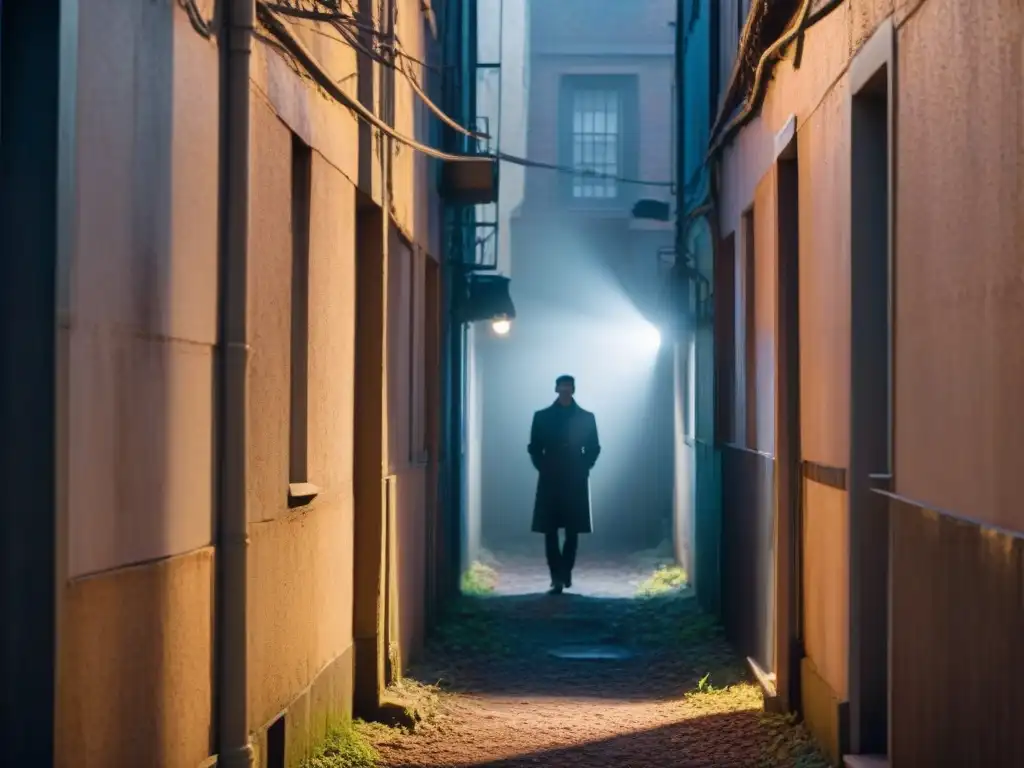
749,329
725,337
298,460
599,114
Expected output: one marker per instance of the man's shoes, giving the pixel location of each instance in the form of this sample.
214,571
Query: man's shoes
556,588
567,582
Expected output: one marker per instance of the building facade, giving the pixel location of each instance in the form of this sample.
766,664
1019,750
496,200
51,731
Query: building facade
584,270
867,290
244,412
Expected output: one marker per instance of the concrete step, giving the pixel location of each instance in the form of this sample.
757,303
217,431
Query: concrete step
865,761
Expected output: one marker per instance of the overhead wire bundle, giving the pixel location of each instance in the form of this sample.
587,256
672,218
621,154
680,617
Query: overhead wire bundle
351,28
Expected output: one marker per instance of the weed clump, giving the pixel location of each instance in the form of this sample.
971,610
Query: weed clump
480,580
666,579
344,747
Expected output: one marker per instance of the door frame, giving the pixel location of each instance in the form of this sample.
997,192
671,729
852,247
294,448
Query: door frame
788,470
872,89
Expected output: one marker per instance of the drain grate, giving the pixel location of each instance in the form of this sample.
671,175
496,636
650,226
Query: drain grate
591,653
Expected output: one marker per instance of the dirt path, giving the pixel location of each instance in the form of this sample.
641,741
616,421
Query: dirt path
507,700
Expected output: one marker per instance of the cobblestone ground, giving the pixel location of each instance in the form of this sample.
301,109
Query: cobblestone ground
506,700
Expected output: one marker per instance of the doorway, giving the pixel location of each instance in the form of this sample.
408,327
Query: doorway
788,481
369,452
870,405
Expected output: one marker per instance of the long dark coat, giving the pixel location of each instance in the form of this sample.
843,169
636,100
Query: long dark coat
563,447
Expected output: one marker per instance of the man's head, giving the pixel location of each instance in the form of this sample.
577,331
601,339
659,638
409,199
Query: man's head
565,386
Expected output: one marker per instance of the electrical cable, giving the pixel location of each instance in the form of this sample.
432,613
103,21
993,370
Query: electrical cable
413,83
298,50
334,14
746,35
439,113
804,19
295,48
568,169
202,27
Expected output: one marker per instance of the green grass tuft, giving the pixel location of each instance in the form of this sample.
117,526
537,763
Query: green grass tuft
479,580
345,747
668,578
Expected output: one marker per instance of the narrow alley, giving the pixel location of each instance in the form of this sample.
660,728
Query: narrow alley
628,672
468,383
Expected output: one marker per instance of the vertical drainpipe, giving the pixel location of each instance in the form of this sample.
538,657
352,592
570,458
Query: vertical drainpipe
455,53
387,155
680,127
232,692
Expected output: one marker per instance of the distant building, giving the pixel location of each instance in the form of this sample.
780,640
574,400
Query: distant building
584,269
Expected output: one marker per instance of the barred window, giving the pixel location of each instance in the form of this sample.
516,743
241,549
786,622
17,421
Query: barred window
596,142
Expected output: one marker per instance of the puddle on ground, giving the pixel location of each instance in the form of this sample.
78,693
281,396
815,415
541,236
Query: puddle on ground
591,653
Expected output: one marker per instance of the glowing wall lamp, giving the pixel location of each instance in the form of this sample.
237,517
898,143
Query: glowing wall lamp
487,298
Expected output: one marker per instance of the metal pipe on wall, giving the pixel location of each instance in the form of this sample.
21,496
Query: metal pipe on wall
234,747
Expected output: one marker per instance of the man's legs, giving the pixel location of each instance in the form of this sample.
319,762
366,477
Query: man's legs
554,556
572,540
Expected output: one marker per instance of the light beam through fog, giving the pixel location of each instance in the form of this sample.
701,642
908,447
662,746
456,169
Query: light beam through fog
577,314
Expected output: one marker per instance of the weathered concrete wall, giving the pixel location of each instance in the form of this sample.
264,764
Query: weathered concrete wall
407,451
139,323
958,164
959,294
135,684
301,580
143,293
332,133
654,78
959,315
815,96
766,257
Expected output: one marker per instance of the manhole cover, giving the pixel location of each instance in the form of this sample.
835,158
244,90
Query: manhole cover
591,653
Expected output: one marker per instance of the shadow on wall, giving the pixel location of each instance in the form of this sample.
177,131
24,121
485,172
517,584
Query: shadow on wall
576,315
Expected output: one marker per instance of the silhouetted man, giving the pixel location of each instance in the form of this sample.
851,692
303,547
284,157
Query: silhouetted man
563,448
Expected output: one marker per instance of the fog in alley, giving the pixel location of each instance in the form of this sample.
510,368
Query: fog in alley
466,383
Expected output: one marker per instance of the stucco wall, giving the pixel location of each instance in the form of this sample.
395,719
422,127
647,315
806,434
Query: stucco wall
135,684
959,316
139,313
317,634
544,190
300,560
143,290
959,159
816,96
414,205
406,452
765,293
140,322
